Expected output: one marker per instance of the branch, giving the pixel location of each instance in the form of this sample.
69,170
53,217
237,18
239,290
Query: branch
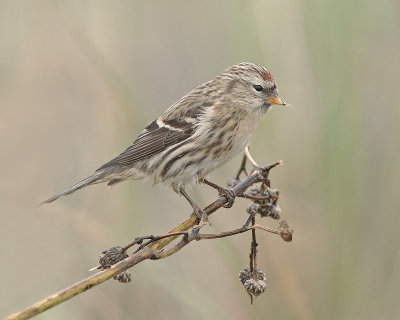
152,249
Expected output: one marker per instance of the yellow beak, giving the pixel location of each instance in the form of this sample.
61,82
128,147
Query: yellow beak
276,100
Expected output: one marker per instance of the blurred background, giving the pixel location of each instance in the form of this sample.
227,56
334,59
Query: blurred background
80,79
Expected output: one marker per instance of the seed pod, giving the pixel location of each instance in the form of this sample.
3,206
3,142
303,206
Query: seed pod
246,274
253,207
286,231
255,287
123,277
111,256
274,211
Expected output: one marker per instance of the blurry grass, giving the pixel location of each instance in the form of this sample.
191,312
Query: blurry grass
335,61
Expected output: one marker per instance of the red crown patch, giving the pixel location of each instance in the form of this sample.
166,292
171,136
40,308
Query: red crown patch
267,76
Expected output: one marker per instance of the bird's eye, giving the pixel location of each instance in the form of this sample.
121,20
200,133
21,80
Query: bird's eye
257,87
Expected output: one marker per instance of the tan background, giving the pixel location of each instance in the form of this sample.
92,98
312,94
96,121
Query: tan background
80,79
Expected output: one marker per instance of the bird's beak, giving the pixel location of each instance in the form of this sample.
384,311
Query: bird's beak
276,100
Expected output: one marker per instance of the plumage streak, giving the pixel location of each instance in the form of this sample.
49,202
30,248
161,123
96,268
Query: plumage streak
197,134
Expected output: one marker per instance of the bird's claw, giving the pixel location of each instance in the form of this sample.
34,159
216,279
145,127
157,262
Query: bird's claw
230,196
202,216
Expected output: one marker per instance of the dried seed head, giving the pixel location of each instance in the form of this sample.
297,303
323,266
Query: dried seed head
254,190
110,257
286,231
246,274
272,210
268,210
253,207
124,277
273,193
255,287
267,207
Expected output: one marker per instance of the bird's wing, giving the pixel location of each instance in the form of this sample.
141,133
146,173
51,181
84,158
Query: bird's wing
166,131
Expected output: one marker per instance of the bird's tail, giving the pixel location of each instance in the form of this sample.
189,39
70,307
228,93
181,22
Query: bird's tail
97,177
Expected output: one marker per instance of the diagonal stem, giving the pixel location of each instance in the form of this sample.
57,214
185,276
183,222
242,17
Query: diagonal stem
152,251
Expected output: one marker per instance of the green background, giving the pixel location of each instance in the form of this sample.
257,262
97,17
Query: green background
80,79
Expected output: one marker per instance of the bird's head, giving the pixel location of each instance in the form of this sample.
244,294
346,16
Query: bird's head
251,86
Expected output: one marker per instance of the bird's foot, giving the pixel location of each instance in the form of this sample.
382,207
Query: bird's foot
230,196
200,213
202,216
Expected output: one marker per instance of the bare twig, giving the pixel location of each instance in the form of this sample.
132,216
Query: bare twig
253,255
249,157
153,248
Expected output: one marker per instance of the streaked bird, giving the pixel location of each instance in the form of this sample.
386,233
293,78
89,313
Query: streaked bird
197,134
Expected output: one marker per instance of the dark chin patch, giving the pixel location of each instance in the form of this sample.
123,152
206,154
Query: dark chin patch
264,107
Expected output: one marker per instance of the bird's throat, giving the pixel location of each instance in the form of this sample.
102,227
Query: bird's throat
264,108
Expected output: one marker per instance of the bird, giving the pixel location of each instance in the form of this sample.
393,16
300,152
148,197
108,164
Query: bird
200,132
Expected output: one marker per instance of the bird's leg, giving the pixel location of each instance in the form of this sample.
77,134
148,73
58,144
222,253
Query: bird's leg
229,194
242,168
200,213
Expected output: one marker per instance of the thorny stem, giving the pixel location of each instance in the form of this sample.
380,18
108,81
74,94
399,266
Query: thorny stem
153,250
